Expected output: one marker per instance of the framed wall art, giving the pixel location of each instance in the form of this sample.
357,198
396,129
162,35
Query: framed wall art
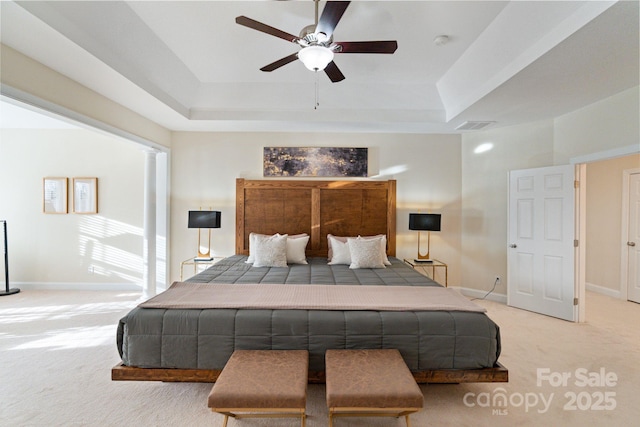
85,195
54,195
315,161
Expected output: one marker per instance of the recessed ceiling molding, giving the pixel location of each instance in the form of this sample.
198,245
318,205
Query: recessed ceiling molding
489,62
231,94
284,126
63,56
329,115
156,69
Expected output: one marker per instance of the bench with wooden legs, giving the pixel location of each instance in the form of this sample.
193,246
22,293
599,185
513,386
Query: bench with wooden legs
262,383
367,383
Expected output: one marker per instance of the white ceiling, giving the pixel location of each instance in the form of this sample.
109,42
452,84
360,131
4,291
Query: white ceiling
189,66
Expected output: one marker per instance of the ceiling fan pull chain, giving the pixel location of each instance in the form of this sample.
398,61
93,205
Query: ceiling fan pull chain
317,84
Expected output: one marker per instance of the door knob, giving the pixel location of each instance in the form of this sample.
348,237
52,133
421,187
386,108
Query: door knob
513,245
631,243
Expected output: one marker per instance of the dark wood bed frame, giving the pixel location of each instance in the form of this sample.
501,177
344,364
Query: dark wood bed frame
318,208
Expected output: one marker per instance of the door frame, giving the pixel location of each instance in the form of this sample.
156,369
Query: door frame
580,250
581,162
624,235
578,229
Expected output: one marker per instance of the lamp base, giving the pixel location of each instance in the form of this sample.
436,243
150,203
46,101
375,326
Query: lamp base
9,292
420,261
199,258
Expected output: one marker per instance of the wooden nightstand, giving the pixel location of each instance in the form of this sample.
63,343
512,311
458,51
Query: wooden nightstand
199,265
433,264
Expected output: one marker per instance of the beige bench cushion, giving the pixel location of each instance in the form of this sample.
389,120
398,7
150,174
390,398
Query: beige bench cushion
262,379
370,379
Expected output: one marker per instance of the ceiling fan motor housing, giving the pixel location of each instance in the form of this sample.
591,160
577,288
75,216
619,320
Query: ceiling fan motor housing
309,37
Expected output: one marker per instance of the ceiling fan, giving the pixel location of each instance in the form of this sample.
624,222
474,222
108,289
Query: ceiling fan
317,42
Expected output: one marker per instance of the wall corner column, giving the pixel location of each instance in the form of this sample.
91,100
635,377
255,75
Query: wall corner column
149,233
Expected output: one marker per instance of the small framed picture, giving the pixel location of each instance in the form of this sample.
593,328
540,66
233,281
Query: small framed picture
85,195
54,195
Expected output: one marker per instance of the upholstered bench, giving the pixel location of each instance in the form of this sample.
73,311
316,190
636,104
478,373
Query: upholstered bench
370,383
262,383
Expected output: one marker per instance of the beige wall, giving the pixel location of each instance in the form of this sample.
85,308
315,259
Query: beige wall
607,125
427,167
604,222
47,249
484,196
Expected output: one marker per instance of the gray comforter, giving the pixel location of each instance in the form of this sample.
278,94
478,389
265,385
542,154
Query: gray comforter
205,338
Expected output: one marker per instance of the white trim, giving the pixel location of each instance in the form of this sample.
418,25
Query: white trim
605,155
34,103
624,233
65,286
603,291
580,252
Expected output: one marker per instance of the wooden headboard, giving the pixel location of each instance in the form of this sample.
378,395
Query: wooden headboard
318,208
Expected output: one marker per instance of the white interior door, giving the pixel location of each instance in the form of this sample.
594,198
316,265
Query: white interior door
633,241
540,260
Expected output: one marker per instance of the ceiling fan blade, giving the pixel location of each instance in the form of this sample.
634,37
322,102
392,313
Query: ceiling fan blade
330,17
280,62
259,26
334,72
388,46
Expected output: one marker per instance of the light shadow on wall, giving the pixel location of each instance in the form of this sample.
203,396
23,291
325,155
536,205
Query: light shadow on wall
111,248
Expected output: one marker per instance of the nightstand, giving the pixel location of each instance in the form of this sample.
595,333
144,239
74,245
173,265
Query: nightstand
424,266
199,265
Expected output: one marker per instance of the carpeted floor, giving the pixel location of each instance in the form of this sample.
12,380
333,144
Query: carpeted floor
57,349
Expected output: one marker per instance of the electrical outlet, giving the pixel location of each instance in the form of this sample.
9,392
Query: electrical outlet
497,280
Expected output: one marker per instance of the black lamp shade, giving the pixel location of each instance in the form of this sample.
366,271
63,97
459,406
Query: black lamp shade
424,222
204,219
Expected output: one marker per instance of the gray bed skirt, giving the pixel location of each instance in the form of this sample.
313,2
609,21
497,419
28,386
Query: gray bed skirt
206,338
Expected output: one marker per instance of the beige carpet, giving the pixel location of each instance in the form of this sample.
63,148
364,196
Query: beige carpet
57,349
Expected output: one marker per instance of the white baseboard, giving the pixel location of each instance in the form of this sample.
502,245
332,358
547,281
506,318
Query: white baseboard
602,290
61,286
474,293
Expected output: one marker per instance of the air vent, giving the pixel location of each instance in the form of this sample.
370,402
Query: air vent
473,125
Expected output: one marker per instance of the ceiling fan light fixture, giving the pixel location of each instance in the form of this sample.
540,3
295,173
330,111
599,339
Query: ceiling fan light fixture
316,58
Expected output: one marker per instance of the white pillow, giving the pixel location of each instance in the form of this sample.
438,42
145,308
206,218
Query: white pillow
252,247
296,247
330,238
270,251
383,246
365,253
340,251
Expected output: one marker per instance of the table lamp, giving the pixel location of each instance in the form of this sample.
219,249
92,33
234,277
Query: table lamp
204,219
424,222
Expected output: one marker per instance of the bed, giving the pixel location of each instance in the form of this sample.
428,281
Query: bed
193,342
